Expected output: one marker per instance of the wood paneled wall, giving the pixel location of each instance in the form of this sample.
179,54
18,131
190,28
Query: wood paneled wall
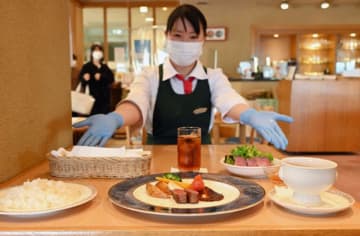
326,114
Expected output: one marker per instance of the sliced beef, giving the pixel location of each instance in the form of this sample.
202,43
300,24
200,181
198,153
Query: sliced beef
251,162
262,161
240,161
179,195
192,196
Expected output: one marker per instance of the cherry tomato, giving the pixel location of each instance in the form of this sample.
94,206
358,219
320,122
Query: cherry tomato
197,183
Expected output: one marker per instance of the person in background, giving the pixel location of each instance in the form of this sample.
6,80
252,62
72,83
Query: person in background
98,76
181,92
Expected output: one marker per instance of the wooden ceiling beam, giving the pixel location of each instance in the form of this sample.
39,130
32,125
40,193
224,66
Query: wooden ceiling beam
129,3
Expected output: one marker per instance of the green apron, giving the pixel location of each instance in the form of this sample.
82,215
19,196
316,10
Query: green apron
176,110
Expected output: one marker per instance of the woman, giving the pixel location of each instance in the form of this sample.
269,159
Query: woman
181,92
98,76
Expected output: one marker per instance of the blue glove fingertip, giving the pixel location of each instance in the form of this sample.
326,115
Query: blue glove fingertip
284,118
83,139
103,141
81,123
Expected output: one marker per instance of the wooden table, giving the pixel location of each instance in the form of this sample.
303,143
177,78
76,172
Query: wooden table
100,217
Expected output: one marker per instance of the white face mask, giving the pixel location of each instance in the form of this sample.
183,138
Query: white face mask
97,55
184,53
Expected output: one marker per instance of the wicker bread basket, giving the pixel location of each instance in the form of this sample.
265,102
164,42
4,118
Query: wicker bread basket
95,167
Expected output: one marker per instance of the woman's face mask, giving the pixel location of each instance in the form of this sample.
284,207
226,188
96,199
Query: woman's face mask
184,53
97,55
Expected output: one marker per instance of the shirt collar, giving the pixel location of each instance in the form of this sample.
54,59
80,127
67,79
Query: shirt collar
170,72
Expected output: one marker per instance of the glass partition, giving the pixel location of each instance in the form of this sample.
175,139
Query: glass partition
348,53
316,54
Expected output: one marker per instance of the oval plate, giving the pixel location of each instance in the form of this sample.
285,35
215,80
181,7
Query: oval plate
248,171
128,195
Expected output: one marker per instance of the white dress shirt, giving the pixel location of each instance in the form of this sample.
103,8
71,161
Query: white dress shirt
143,90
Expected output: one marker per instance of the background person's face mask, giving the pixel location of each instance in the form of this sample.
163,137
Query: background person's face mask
184,53
97,55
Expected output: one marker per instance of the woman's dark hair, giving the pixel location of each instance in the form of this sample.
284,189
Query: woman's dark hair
93,48
190,13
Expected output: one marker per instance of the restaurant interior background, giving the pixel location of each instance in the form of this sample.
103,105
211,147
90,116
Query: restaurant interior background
36,57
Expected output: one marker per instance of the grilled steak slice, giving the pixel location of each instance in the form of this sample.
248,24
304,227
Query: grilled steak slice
192,196
179,195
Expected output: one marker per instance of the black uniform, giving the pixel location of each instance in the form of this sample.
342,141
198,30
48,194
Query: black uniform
99,89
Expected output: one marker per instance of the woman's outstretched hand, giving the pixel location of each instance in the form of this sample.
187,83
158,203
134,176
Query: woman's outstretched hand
265,122
101,128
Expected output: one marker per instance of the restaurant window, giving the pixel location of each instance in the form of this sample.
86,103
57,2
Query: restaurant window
162,14
118,39
132,36
142,36
93,19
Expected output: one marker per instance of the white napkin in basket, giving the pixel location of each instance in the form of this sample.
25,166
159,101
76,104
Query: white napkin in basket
86,151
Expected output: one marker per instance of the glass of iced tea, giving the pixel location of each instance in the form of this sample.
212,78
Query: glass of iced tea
189,148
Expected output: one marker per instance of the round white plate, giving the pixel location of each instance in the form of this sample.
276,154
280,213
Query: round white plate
88,193
332,201
248,171
239,194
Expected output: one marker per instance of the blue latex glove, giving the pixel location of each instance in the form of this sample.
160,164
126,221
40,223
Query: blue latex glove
101,128
264,122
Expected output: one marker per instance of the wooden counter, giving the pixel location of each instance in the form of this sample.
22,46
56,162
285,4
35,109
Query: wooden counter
326,114
100,217
250,88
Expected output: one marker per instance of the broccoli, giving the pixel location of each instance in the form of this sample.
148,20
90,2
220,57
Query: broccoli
172,176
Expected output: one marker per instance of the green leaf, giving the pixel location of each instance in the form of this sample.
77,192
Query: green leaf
249,151
229,159
172,176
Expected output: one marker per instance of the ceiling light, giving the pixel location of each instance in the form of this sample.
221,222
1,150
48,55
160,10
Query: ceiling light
352,35
164,8
284,5
276,35
325,5
315,35
143,9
